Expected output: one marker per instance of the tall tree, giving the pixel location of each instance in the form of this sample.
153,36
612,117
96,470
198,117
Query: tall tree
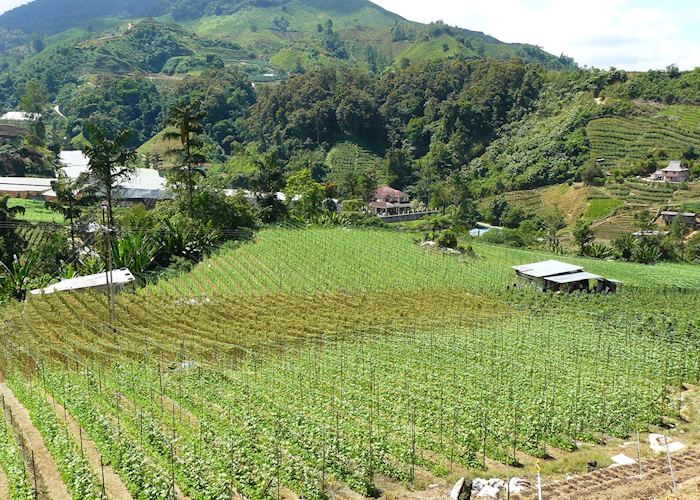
110,162
72,196
11,243
267,181
34,102
187,119
308,193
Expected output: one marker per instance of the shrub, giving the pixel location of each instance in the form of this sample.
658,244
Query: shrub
447,239
509,237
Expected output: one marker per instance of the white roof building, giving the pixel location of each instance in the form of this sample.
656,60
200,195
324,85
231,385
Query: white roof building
560,276
19,187
142,184
20,116
95,282
547,268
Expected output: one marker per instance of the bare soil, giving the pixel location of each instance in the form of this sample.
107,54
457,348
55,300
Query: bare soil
4,487
625,481
51,485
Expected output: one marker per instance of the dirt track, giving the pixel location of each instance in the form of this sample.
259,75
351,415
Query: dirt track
51,484
4,487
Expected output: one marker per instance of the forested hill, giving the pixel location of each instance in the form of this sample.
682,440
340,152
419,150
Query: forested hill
53,16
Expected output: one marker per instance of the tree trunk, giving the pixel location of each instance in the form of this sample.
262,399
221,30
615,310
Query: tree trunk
72,223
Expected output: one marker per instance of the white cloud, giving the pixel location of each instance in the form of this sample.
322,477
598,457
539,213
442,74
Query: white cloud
631,34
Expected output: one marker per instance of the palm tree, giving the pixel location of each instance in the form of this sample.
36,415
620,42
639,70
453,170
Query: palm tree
187,120
110,162
72,196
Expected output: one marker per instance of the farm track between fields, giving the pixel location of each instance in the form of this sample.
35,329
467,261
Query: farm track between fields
51,485
4,486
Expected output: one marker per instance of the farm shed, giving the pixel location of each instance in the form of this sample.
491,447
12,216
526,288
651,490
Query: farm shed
552,275
26,187
690,218
93,282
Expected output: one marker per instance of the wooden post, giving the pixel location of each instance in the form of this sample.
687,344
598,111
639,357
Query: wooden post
670,464
36,487
639,456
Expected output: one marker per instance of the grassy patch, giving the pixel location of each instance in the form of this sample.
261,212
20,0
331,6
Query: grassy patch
601,208
36,211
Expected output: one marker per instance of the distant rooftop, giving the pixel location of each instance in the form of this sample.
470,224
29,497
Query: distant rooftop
20,116
120,277
385,191
547,268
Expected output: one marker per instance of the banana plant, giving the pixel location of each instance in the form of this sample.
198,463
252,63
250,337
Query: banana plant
14,280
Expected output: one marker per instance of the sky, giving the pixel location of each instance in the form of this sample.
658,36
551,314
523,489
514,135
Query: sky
627,34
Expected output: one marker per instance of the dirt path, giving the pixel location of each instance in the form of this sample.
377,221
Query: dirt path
51,484
114,486
4,486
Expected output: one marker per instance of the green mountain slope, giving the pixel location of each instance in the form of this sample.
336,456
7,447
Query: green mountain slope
291,35
621,140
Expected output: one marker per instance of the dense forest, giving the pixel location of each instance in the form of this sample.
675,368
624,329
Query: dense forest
493,126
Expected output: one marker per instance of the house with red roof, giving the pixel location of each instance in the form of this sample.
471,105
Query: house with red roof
389,202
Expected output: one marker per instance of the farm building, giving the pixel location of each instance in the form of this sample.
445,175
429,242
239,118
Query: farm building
144,184
482,229
555,276
94,282
690,218
26,187
20,116
8,132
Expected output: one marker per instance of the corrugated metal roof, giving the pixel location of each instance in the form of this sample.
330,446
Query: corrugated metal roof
24,184
119,277
74,159
573,278
547,268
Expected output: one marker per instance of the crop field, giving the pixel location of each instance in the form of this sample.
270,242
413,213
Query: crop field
312,362
624,139
36,211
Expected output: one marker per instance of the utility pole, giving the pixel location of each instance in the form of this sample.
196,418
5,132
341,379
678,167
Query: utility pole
107,228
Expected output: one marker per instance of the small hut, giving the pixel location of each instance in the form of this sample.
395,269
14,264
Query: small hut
555,276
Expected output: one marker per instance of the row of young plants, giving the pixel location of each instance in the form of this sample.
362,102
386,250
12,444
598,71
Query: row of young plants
12,463
72,464
386,401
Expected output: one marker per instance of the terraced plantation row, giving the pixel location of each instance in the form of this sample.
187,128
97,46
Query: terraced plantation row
625,139
310,362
